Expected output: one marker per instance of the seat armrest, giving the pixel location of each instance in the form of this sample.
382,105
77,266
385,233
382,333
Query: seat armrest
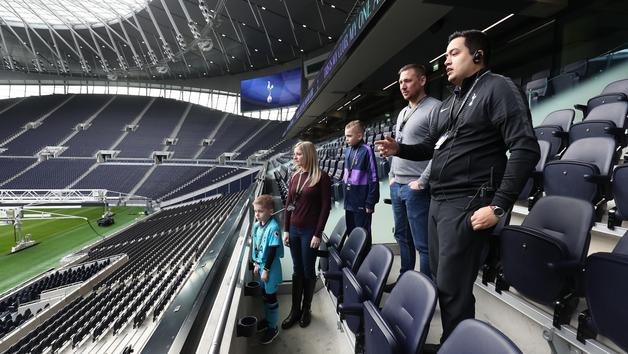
560,134
615,131
321,253
596,179
582,108
332,275
351,309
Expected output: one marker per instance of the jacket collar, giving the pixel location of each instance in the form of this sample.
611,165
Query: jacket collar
461,90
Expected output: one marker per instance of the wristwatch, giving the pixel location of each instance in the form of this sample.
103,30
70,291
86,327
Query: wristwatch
497,211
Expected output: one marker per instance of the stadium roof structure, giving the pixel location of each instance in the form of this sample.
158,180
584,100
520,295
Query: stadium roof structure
164,39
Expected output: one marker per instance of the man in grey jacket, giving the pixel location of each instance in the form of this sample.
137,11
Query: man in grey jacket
409,190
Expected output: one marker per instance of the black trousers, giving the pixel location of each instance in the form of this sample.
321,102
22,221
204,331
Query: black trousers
455,257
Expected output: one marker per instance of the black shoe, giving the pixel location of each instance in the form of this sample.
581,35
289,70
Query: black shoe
308,294
292,319
269,335
262,325
295,310
306,318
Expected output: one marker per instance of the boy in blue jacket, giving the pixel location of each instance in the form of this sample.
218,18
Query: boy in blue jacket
267,249
360,178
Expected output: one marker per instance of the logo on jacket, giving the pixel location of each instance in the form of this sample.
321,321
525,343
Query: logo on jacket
472,99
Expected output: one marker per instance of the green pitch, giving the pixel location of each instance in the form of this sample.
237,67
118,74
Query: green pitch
57,238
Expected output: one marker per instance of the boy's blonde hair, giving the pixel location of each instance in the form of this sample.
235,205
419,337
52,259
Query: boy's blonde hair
357,125
265,201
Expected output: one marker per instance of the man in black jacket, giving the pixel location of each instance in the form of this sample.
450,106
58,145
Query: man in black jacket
473,183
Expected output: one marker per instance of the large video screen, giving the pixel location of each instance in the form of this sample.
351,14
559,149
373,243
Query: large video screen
272,91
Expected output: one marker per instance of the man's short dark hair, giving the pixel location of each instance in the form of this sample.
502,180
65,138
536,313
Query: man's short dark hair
418,69
474,40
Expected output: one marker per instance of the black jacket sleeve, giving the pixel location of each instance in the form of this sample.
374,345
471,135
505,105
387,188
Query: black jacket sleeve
511,115
272,252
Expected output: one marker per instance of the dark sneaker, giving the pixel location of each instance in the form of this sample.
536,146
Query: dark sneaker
268,335
262,325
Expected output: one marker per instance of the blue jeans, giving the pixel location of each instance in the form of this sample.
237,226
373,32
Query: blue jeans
303,257
410,210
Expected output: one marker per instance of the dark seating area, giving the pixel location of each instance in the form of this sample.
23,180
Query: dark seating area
50,174
57,126
153,129
264,139
11,318
162,251
232,133
107,127
198,125
119,178
29,109
205,179
165,178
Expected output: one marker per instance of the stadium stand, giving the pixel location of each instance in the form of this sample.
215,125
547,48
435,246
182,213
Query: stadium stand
107,127
50,174
197,126
162,250
166,178
57,125
29,109
119,178
11,167
207,178
230,135
153,129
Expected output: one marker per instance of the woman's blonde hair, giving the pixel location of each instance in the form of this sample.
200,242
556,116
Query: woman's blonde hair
310,161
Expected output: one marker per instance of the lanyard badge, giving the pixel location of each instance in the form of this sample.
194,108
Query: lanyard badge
352,164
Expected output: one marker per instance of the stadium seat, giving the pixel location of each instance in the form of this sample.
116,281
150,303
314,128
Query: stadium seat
534,186
554,129
569,77
613,92
365,285
537,87
350,256
544,257
606,291
583,172
401,326
334,241
602,121
472,336
622,245
619,186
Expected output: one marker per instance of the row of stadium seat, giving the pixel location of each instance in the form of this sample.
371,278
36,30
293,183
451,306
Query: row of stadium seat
356,276
161,251
63,115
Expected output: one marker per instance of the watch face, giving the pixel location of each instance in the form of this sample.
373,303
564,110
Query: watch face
499,212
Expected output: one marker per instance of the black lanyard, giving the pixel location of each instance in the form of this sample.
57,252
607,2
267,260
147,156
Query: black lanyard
454,118
354,161
406,115
259,242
